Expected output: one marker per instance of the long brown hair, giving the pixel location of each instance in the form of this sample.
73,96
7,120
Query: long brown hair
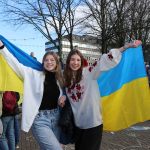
57,70
68,73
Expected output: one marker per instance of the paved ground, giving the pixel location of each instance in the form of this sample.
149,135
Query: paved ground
135,138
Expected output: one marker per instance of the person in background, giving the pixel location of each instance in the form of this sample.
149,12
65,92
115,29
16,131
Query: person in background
32,55
83,93
42,97
1,127
9,108
17,123
17,130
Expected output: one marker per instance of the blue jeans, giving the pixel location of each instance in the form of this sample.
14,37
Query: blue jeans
46,131
17,129
7,141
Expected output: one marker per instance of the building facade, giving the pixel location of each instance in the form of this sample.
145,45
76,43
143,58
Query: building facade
87,45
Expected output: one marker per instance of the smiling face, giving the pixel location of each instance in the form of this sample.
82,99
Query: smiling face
75,62
49,63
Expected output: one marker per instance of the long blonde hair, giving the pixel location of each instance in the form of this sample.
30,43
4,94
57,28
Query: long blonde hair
57,70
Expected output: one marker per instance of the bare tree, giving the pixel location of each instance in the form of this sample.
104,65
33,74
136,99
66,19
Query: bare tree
117,16
132,19
98,21
141,20
141,24
114,20
71,21
47,16
109,20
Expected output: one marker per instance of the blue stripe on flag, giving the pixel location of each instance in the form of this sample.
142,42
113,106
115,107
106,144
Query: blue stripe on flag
130,68
22,57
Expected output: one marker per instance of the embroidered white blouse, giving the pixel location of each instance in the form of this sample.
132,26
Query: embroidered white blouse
85,96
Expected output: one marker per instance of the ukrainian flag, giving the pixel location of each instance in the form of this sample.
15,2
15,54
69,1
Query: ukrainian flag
124,89
125,92
9,81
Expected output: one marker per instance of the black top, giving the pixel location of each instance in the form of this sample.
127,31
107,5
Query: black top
51,92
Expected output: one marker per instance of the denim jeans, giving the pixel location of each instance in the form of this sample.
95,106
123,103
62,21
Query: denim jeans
7,141
17,129
46,131
1,127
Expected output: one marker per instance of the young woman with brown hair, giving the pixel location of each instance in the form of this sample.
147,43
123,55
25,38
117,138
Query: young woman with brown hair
83,93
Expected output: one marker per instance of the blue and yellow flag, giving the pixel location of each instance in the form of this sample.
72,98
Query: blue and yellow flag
125,92
124,89
9,81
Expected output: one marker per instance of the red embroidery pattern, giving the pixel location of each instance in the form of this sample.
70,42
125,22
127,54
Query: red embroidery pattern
75,92
91,68
110,56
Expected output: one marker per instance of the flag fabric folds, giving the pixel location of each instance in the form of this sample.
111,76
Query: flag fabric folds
9,81
125,92
124,89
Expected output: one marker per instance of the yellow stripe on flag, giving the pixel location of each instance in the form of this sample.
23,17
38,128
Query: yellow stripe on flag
127,106
9,81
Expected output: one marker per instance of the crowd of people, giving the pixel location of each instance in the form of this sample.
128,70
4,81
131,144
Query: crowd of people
46,92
